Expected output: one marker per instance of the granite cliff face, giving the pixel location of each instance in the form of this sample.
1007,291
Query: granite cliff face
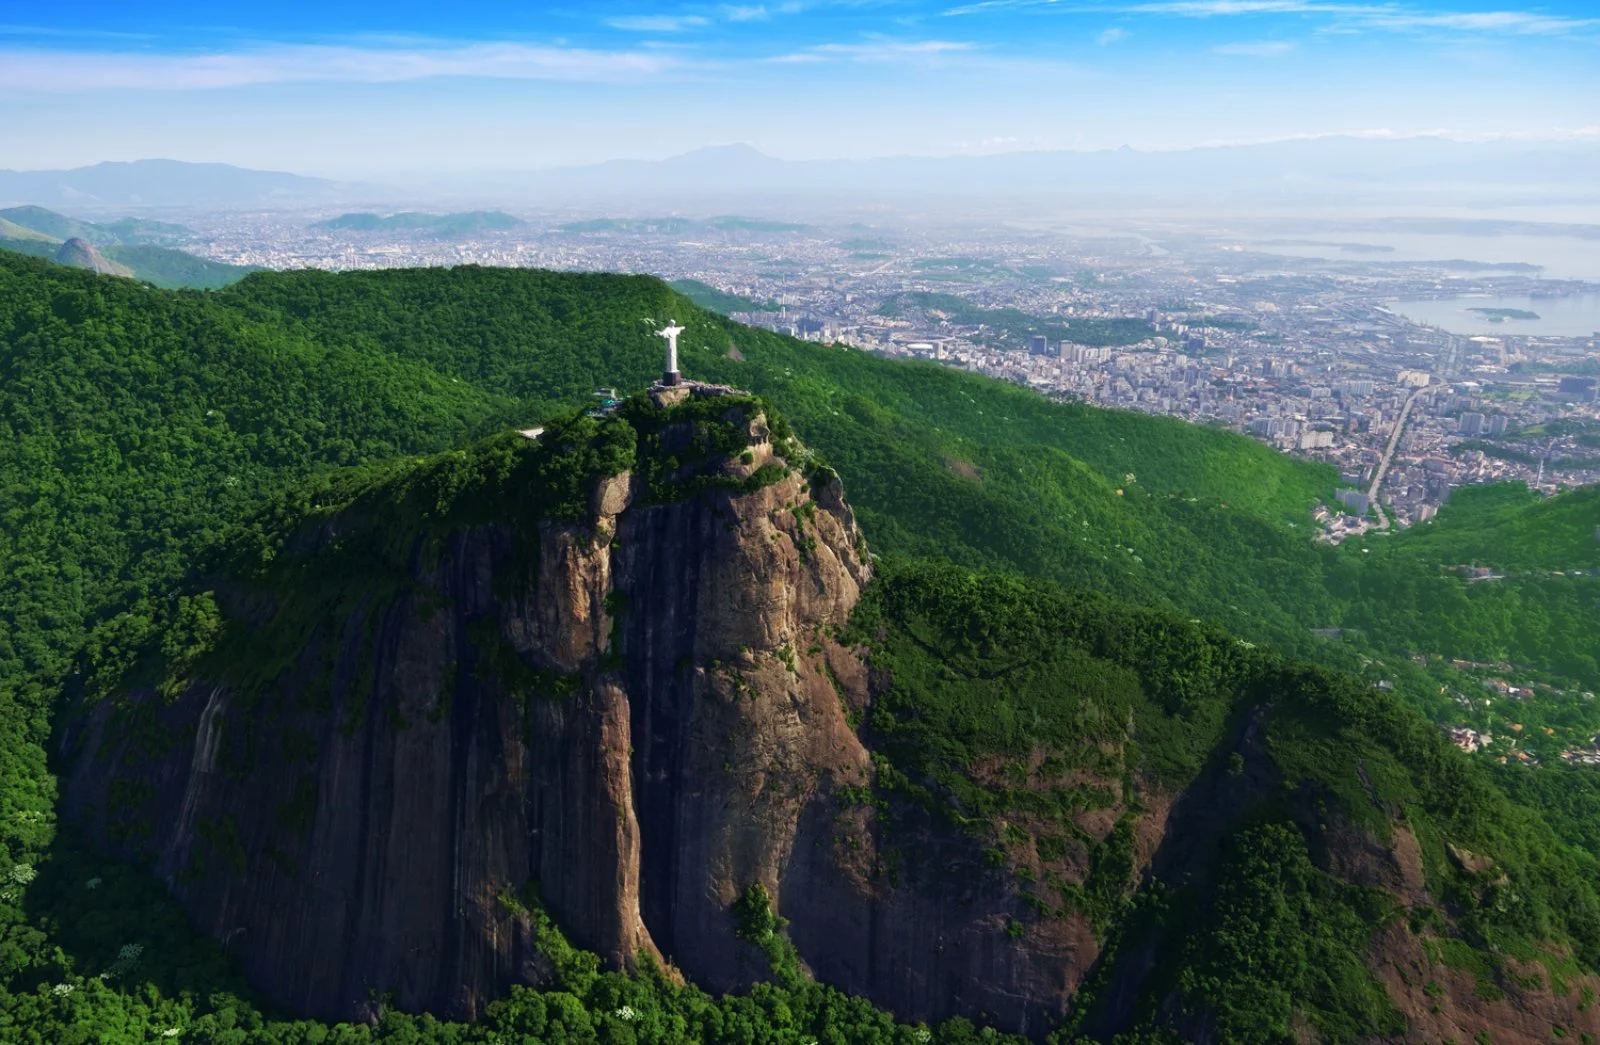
599,678
641,713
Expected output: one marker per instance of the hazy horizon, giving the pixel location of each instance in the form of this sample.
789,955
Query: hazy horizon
355,89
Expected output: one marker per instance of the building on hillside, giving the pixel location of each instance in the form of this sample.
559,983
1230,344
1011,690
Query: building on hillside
1355,500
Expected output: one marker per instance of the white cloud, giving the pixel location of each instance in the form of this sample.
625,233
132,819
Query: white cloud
76,71
1111,36
1380,16
757,12
1519,22
876,51
1210,8
1261,49
44,30
658,23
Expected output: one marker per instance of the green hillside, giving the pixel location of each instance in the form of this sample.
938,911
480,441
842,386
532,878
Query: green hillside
953,464
162,266
140,424
174,269
134,243
1507,527
11,231
126,231
58,226
136,231
1012,327
721,302
988,670
938,461
416,221
35,247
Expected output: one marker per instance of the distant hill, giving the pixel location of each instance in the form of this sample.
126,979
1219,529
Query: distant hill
162,183
81,254
719,301
1404,169
40,222
58,227
126,247
13,230
172,269
37,246
143,230
677,226
416,221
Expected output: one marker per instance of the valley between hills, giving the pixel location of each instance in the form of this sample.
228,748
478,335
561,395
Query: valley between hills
838,699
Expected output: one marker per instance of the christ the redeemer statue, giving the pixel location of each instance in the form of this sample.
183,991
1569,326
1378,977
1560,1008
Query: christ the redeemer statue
671,332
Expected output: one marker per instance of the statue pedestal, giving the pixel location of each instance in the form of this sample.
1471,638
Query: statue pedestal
663,395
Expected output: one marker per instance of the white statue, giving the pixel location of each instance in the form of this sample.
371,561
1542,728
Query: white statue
671,332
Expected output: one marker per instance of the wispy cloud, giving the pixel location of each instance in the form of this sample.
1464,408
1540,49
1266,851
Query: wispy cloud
875,51
77,71
1375,16
1260,49
1383,16
658,23
1520,22
1111,36
758,12
1213,8
82,34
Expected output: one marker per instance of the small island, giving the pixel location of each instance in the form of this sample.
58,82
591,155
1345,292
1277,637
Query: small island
1500,315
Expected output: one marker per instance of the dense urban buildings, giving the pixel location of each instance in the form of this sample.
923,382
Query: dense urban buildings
1318,356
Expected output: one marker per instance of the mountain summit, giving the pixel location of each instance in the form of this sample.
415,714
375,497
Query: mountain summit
80,253
614,684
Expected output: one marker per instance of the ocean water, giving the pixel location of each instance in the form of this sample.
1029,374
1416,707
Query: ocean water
1573,315
1563,257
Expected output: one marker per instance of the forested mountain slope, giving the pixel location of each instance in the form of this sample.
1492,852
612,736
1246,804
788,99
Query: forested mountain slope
967,796
951,464
137,425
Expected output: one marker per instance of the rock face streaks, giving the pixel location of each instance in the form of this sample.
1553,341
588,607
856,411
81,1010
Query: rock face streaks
653,721
630,720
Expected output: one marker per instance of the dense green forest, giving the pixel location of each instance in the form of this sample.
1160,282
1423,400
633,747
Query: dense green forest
139,425
719,301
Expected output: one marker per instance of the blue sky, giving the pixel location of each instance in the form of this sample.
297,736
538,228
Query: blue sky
352,88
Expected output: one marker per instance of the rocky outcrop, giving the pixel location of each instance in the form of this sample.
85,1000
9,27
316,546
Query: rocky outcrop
81,254
641,725
630,704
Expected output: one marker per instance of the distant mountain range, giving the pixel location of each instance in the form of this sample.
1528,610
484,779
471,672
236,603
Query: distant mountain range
162,183
1319,170
1323,169
676,226
416,221
32,222
129,247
